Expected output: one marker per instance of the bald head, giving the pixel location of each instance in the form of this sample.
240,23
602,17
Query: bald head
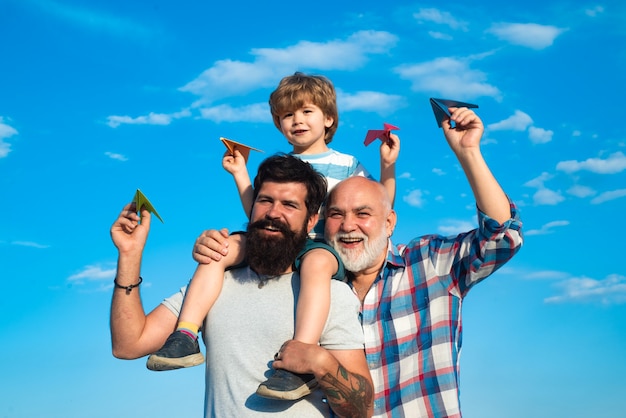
372,191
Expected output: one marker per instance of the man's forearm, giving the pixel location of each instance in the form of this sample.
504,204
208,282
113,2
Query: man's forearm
348,394
127,314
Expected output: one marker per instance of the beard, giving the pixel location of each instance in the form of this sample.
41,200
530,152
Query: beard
273,255
356,260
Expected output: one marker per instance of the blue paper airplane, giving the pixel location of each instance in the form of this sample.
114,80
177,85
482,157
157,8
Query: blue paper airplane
440,107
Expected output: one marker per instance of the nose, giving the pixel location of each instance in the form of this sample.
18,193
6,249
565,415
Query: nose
347,223
272,212
297,118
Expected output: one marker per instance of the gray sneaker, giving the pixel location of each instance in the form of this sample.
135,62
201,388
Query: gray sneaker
179,351
286,385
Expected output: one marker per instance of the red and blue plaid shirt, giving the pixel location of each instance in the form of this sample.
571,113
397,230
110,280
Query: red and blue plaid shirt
412,316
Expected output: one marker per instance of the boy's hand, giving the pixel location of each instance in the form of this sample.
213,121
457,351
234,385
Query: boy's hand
210,246
468,131
389,150
234,163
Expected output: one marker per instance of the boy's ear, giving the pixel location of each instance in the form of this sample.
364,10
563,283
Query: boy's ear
329,121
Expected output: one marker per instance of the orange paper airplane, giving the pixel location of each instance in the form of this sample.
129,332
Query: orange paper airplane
243,149
383,134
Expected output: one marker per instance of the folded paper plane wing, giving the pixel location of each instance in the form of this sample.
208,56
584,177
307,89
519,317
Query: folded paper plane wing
440,108
383,134
243,149
142,201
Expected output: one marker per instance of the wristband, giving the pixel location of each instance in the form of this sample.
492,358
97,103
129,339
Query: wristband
128,288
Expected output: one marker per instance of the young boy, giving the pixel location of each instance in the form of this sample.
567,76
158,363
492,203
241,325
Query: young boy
304,109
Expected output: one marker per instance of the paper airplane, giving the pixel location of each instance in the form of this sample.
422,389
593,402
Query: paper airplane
383,134
440,107
142,201
243,149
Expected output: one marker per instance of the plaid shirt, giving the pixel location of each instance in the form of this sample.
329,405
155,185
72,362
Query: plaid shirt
411,316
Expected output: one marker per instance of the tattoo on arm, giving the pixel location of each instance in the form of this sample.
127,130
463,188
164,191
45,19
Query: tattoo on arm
348,394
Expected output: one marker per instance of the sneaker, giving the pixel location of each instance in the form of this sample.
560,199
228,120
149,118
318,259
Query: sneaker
286,385
180,350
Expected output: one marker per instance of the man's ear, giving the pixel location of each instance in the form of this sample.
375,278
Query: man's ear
311,222
390,222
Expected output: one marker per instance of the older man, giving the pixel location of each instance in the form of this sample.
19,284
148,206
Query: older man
254,313
411,294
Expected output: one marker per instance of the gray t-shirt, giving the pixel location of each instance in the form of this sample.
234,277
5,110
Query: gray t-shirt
247,325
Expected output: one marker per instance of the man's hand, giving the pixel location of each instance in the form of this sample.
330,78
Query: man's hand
468,131
128,234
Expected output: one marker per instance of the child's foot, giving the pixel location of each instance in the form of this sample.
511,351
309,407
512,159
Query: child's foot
180,350
287,385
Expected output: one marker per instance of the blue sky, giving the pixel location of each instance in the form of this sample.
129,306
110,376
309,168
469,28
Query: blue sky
99,98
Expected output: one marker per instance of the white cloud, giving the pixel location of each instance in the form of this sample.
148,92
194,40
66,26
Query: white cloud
448,76
150,119
455,227
228,77
547,228
6,131
519,121
581,191
93,273
439,17
405,175
545,196
595,11
30,244
611,290
538,182
544,274
414,198
115,156
370,101
438,171
539,135
607,196
615,163
530,35
5,148
439,35
258,112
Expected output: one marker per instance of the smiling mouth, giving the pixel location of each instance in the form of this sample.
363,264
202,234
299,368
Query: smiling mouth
299,131
349,240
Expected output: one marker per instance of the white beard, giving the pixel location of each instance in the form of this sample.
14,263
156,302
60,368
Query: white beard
356,260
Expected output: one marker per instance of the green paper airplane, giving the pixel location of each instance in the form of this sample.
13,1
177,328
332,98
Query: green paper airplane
142,201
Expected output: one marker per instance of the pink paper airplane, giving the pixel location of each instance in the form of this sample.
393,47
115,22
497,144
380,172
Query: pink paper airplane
383,134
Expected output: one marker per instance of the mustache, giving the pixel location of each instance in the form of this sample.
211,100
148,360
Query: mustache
270,223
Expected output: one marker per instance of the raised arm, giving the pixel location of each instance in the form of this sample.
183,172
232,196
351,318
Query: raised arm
464,140
342,375
133,333
235,164
389,151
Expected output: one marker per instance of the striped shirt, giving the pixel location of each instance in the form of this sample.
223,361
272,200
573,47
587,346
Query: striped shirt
336,167
411,316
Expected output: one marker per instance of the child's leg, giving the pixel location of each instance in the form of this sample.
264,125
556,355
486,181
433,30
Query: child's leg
316,270
182,349
317,265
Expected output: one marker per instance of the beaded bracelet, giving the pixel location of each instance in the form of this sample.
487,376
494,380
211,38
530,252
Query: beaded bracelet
128,288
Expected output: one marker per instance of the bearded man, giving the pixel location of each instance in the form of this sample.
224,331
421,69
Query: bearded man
254,312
